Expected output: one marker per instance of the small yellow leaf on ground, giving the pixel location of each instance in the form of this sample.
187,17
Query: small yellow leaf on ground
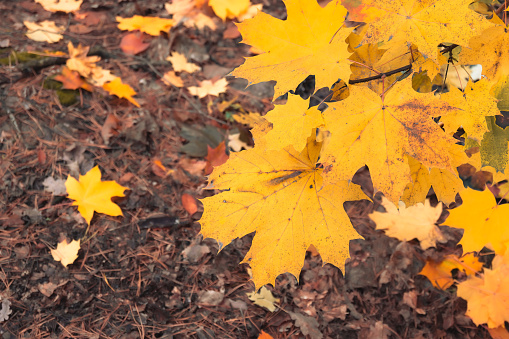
439,273
99,76
146,24
65,252
121,90
79,62
207,87
263,298
170,78
91,194
405,224
229,9
66,6
180,63
45,31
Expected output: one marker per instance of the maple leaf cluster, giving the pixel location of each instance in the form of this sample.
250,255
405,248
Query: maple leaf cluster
290,188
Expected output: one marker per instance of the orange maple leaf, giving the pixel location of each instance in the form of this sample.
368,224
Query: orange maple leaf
279,194
310,42
72,80
66,252
484,221
121,90
215,157
91,194
488,296
146,24
439,273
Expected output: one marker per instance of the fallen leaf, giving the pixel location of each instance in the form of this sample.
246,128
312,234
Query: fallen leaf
189,13
189,203
91,194
215,157
250,12
72,80
100,76
170,78
65,252
237,145
46,31
439,273
264,335
229,9
405,224
79,62
121,90
66,6
207,87
110,128
145,24
263,298
180,64
133,44
55,187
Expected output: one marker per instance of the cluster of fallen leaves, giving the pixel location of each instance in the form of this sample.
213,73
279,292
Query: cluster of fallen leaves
290,188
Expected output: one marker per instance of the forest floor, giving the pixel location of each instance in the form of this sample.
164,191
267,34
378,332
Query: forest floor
148,273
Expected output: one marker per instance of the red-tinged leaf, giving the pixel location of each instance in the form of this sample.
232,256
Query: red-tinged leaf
133,44
215,157
72,80
189,203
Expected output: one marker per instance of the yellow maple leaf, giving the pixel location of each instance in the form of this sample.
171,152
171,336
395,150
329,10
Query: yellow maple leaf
484,221
310,42
79,62
488,296
439,273
279,194
91,194
229,9
207,87
46,31
405,224
146,24
189,13
494,146
66,6
423,23
65,252
180,63
490,50
380,132
263,298
476,104
121,90
99,76
170,78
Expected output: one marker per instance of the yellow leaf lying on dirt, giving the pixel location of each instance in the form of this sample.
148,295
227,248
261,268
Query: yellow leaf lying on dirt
263,298
146,24
79,62
180,63
405,224
99,76
229,9
207,87
65,252
91,194
121,90
45,31
189,13
66,6
171,78
279,194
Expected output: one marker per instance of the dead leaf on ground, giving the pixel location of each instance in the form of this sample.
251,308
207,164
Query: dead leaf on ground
45,31
207,87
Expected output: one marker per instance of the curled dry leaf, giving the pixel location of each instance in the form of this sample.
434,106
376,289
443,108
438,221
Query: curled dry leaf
66,252
46,31
405,224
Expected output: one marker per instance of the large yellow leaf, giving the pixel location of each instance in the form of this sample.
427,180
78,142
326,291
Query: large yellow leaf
91,194
476,104
490,50
424,23
279,194
310,42
367,130
485,222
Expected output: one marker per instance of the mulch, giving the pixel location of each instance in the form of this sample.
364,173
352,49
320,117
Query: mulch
149,274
